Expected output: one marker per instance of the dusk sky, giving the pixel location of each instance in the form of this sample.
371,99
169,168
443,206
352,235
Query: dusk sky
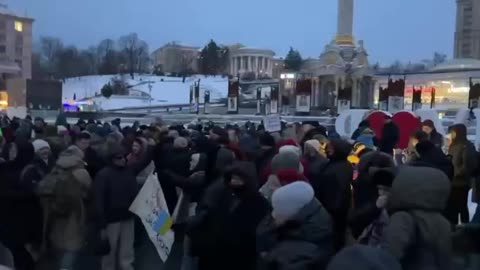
407,30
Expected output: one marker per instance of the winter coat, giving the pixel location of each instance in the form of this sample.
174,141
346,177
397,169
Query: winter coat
31,175
333,188
418,235
15,201
464,158
365,193
223,232
115,189
390,137
305,242
431,156
68,233
436,139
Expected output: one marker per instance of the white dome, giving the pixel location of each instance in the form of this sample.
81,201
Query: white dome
458,64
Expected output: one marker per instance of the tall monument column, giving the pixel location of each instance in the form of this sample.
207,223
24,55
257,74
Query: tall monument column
345,22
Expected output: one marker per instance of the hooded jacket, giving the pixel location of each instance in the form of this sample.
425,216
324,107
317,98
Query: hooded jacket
115,188
464,157
304,242
332,188
418,235
431,156
68,233
229,221
14,200
365,192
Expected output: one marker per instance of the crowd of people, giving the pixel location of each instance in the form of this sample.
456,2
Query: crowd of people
241,197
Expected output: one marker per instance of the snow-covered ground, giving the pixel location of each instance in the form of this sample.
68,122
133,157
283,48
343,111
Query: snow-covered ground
170,91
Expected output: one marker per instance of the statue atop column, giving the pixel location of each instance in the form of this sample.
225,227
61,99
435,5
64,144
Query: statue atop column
345,23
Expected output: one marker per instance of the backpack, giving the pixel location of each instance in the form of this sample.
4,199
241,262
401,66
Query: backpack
64,191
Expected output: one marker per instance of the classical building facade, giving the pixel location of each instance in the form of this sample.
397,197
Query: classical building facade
176,58
15,45
467,30
245,60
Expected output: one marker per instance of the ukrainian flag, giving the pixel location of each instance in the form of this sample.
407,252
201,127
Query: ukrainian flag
163,223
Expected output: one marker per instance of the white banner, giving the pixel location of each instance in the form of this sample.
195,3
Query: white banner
150,206
272,123
395,104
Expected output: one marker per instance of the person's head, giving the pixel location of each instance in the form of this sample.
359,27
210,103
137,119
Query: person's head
219,135
266,141
458,133
241,178
287,201
417,136
428,126
312,148
39,122
338,149
137,147
42,149
180,143
116,155
82,140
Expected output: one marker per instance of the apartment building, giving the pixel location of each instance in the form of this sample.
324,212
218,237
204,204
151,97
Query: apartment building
467,32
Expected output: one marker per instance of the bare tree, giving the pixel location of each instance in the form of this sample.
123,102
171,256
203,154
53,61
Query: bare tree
134,48
50,49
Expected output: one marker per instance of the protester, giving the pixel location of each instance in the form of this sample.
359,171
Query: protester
365,191
418,235
433,136
267,152
372,235
390,136
138,154
464,160
64,193
285,169
115,188
332,188
14,228
303,230
230,222
364,124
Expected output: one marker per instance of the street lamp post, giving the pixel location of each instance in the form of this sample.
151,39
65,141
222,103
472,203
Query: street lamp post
150,98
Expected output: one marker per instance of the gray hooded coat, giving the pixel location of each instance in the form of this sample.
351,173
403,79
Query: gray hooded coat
418,235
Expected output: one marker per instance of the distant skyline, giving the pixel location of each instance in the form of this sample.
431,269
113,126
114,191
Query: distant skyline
405,30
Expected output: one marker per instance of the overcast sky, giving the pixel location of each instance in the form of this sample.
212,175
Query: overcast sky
407,30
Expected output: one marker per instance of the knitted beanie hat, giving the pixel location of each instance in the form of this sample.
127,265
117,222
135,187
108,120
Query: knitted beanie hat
40,144
285,160
288,200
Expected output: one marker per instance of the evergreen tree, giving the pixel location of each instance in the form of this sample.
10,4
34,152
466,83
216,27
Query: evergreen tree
293,60
213,59
107,90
